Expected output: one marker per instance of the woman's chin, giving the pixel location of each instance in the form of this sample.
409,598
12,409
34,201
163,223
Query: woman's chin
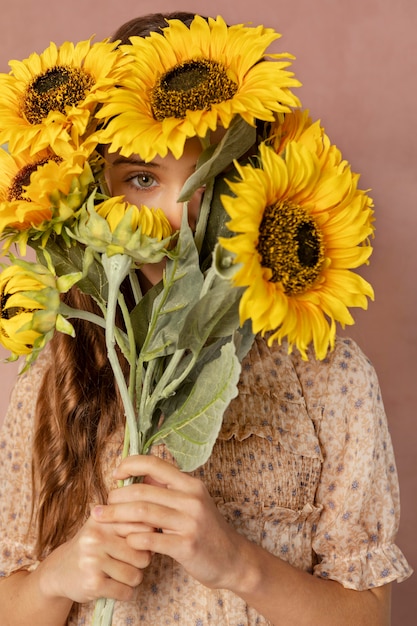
151,274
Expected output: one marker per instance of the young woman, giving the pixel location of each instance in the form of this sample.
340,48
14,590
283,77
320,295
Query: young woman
291,521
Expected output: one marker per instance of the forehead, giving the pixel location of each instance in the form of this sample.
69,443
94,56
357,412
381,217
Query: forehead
191,153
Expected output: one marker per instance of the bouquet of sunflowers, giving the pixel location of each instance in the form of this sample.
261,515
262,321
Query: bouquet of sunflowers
280,229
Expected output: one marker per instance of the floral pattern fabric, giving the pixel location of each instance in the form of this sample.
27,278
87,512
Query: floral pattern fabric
303,466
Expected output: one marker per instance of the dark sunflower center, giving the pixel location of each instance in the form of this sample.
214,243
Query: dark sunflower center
22,179
8,313
5,313
291,246
57,88
192,86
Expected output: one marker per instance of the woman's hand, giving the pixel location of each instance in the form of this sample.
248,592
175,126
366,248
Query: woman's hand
196,535
97,562
192,531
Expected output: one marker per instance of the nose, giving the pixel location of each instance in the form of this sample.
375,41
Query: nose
174,209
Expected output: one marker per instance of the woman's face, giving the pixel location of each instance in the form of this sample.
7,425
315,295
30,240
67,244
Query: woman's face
156,184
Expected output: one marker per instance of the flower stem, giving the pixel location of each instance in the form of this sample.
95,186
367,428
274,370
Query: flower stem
103,612
134,283
200,230
70,312
167,383
117,267
131,356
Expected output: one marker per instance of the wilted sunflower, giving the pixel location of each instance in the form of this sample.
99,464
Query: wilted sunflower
47,99
40,194
188,80
300,230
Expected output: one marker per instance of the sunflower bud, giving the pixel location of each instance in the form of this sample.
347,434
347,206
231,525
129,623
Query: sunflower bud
117,227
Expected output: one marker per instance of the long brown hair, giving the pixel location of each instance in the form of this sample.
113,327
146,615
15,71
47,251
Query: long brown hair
78,407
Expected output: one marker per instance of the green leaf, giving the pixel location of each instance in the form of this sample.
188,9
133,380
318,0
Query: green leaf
141,314
244,338
216,314
238,139
70,260
218,218
182,285
191,430
208,352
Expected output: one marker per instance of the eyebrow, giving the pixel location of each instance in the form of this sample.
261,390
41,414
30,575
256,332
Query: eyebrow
120,160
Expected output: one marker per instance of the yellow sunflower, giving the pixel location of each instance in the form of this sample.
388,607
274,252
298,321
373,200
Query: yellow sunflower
152,222
300,228
15,313
16,212
40,194
291,126
30,307
299,126
188,80
48,99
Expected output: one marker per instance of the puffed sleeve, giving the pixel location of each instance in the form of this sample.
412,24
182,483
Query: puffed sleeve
17,534
354,539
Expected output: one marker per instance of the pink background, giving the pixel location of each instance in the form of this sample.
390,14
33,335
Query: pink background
357,60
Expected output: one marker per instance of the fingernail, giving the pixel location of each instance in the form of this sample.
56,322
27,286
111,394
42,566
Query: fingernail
98,511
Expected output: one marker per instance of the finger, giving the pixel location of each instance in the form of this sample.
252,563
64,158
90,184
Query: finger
115,590
169,544
136,491
128,493
152,467
148,480
123,573
151,494
151,514
158,543
123,530
120,553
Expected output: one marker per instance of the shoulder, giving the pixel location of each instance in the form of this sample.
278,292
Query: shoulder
345,403
346,362
21,408
342,387
345,369
345,378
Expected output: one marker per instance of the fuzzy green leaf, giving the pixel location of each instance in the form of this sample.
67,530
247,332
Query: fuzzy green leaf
217,219
70,260
191,430
238,139
182,284
141,315
216,314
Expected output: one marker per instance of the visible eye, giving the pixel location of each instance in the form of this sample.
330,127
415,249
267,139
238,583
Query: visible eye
142,180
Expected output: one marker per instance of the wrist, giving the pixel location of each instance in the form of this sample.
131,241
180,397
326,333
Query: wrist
49,582
248,569
26,598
